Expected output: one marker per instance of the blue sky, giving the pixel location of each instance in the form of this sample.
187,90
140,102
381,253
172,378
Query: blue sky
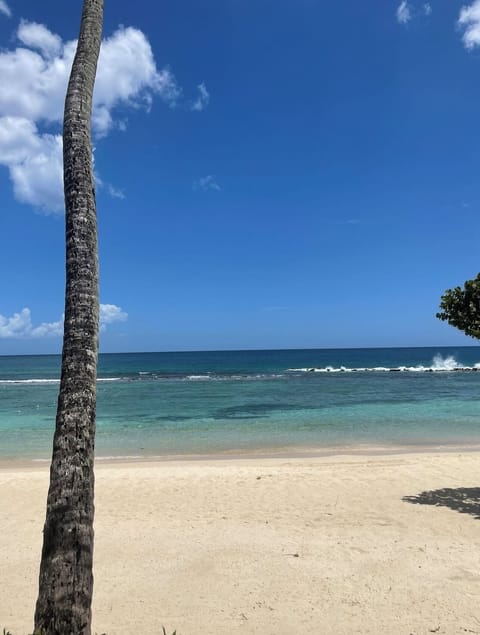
285,174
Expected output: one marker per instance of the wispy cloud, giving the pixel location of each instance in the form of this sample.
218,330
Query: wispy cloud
34,78
469,21
5,9
110,189
403,13
206,183
115,192
427,8
19,325
202,100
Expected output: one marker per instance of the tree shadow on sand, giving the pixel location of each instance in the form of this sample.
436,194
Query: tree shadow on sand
465,500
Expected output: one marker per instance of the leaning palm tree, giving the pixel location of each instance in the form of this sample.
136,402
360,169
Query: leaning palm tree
66,580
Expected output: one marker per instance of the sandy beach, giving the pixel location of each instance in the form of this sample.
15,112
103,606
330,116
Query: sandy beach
332,544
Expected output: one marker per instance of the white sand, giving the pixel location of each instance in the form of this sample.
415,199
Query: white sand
209,547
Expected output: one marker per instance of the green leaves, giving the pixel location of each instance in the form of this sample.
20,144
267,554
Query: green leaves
461,307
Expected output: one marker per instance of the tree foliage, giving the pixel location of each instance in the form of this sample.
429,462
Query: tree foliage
461,307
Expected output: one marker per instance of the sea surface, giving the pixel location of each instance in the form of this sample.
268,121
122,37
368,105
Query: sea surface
156,404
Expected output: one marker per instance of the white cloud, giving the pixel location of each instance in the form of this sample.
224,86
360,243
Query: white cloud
127,74
5,9
202,100
404,14
35,163
427,8
34,78
206,183
469,20
110,313
37,36
19,325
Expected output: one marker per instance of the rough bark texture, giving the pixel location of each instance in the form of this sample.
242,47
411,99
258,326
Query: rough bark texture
66,580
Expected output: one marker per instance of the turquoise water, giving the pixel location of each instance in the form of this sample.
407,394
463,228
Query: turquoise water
194,403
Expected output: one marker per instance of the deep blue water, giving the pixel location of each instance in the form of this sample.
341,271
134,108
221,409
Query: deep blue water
209,402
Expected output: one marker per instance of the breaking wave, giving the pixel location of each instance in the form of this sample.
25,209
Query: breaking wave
151,377
29,381
47,382
439,364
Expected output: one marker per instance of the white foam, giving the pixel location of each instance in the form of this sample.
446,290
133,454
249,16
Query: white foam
125,457
439,364
46,382
447,363
29,381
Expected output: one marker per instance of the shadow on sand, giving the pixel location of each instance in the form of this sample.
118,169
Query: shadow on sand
465,500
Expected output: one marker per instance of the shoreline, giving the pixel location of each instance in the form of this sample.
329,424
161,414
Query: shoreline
289,453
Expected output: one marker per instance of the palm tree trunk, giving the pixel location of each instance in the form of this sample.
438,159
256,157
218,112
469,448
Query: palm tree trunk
66,580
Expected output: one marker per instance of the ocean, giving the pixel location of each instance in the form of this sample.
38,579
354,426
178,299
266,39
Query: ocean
202,403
